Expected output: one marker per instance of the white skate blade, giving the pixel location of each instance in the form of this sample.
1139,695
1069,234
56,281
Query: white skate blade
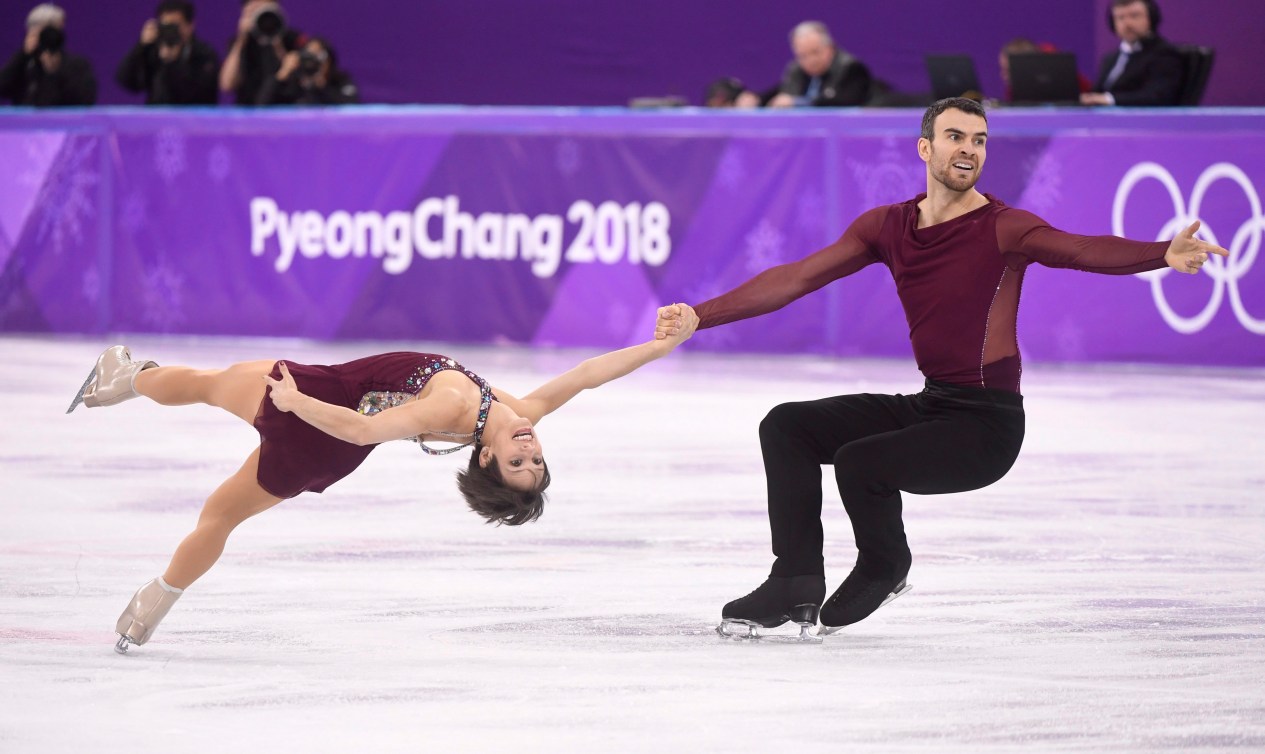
828,630
750,632
122,645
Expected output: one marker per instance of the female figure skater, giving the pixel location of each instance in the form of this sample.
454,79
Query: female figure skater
318,423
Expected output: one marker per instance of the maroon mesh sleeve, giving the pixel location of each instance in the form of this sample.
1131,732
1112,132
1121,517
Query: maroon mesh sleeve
778,286
1025,234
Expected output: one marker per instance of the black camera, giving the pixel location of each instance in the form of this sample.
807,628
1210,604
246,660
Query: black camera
52,39
169,35
269,23
310,62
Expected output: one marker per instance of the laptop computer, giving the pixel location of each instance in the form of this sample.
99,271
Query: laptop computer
1044,78
952,75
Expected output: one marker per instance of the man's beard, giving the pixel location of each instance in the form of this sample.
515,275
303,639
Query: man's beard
946,178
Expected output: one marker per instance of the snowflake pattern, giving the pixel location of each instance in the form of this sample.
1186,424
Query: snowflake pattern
133,215
219,163
763,247
90,285
566,157
66,200
170,154
732,170
163,294
889,179
810,211
1043,178
40,150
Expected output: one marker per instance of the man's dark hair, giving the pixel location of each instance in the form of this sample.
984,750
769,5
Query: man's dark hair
183,7
488,495
968,106
1152,13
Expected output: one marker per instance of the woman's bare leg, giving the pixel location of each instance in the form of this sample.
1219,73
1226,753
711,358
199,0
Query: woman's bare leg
236,500
237,389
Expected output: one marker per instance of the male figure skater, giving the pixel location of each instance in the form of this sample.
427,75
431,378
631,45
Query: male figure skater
958,258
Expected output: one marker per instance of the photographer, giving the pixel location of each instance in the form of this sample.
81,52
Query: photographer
262,42
310,76
42,73
170,65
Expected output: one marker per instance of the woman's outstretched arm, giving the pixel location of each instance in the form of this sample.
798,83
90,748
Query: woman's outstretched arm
441,409
600,370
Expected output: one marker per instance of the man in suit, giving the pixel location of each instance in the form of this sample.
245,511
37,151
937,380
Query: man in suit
1146,70
821,74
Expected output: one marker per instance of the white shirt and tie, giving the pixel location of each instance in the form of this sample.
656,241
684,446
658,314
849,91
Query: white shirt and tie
1126,50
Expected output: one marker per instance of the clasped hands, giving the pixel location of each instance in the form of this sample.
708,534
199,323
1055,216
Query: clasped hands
676,322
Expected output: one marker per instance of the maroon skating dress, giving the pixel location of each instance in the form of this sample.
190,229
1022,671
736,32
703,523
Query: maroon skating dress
296,457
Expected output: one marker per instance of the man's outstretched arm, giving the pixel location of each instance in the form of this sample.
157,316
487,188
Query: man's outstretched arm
778,286
1028,236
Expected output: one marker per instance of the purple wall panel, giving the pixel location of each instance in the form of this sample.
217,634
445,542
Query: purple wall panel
568,228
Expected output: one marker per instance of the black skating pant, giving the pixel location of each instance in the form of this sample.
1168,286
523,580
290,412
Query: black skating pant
945,439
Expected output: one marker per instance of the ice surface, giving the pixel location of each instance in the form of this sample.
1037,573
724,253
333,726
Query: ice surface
1107,595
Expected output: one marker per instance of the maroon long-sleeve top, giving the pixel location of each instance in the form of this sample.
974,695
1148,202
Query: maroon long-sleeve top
958,281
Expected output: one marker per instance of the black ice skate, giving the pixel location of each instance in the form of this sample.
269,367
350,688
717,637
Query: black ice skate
778,600
857,597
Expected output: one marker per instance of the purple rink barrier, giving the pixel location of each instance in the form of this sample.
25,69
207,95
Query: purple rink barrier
568,227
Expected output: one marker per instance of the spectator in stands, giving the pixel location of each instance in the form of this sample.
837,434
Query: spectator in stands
731,92
821,74
1021,46
310,76
1146,70
263,40
43,73
169,64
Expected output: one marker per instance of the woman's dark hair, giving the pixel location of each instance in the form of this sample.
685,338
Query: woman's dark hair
488,495
968,106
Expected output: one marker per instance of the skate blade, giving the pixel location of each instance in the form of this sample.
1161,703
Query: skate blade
747,631
122,645
79,395
828,630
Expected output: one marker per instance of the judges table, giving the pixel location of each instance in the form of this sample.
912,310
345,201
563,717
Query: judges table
569,227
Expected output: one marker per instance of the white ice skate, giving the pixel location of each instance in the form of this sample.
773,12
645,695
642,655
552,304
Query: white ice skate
148,607
112,380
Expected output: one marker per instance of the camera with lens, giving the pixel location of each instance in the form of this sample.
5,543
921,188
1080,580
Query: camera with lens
310,62
52,40
169,35
269,23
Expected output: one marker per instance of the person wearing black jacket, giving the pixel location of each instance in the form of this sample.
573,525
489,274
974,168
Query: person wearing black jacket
821,74
1146,70
310,76
264,39
42,73
169,64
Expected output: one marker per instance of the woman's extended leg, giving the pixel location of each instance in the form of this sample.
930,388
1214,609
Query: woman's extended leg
237,389
236,500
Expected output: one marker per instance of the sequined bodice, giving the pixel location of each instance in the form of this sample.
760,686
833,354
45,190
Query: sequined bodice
378,401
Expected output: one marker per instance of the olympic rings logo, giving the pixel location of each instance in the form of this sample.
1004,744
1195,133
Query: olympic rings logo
1225,273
